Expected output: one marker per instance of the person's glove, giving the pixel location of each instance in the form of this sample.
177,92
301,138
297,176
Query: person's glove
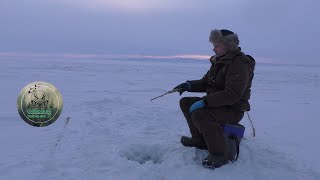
183,87
197,105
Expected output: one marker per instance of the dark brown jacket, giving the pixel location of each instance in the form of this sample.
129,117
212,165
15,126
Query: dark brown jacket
228,82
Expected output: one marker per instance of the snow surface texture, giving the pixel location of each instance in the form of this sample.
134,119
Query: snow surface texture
115,132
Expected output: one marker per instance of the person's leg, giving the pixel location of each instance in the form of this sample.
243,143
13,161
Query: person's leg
185,104
206,123
209,121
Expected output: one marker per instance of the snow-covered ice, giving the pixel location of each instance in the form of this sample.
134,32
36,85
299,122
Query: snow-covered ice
115,132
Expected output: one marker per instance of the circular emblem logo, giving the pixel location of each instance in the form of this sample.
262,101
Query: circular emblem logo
39,104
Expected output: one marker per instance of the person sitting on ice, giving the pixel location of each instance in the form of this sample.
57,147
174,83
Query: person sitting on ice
227,85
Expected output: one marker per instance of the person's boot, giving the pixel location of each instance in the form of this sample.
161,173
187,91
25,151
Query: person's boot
188,141
213,162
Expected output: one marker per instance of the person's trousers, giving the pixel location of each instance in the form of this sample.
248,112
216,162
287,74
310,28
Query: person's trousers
205,124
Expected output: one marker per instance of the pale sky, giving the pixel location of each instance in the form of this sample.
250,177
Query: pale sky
280,29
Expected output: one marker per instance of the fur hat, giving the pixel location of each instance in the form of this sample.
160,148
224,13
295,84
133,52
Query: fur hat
224,36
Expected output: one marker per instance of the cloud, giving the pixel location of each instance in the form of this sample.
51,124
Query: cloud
140,6
278,29
118,5
26,55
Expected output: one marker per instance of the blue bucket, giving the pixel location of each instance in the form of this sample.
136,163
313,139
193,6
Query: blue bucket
234,129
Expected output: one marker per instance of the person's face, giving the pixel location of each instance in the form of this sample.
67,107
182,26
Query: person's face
219,49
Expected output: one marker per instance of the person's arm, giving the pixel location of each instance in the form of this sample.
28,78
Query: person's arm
199,85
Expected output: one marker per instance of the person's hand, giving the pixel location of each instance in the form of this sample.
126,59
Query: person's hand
183,87
197,105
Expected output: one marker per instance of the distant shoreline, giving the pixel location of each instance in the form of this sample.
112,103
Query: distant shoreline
133,57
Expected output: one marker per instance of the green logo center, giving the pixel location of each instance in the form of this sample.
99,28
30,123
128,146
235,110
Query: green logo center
39,104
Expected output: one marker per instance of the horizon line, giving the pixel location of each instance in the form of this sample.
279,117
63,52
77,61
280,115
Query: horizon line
262,60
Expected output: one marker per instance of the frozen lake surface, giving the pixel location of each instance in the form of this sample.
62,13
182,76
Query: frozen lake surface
115,132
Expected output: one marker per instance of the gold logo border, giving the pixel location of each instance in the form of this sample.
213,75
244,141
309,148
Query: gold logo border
59,106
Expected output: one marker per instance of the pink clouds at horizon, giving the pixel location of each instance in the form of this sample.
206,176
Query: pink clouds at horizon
21,55
98,56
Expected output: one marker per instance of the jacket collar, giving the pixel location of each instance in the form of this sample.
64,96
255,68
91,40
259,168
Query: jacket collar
226,59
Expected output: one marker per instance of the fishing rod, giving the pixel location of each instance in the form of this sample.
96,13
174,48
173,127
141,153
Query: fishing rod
168,92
